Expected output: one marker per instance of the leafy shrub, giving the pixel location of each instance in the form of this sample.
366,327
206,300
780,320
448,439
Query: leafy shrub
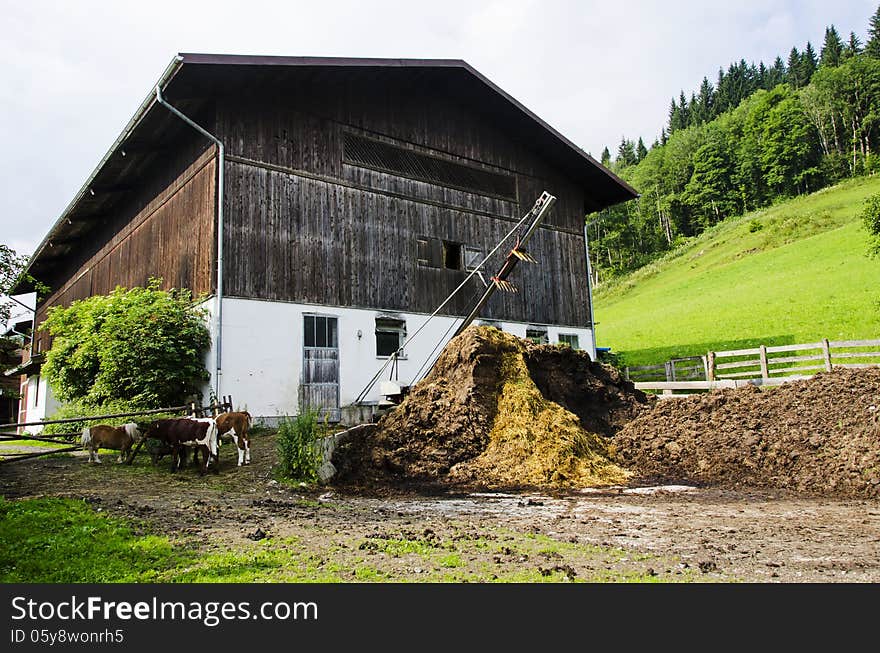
613,358
871,217
299,453
754,226
144,346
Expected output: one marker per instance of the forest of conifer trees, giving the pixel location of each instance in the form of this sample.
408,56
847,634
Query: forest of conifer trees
757,135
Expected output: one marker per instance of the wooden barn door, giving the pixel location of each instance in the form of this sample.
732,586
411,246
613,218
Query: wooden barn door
319,389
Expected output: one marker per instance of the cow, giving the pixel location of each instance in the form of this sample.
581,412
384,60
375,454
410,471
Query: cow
237,425
186,432
102,436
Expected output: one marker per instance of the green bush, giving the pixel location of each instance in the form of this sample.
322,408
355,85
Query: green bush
299,455
871,218
144,346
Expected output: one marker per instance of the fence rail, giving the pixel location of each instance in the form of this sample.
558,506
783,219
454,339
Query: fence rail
64,438
767,364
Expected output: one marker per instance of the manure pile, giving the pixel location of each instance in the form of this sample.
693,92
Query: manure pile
497,411
820,435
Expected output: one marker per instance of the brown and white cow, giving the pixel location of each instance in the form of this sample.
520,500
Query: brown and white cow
237,425
102,436
186,432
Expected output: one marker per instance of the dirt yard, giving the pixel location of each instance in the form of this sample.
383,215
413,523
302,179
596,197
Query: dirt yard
519,462
679,533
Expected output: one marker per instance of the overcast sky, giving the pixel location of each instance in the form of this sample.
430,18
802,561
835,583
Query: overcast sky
75,72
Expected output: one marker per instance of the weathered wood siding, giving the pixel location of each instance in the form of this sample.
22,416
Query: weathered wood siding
170,235
290,238
304,225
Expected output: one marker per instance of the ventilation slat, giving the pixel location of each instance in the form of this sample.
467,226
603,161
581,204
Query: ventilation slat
434,170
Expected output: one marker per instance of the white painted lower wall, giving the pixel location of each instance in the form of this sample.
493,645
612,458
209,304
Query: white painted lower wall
41,403
262,351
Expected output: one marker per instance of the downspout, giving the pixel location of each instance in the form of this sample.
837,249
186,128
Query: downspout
218,311
590,286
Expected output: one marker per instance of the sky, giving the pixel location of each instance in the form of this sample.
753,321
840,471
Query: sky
73,73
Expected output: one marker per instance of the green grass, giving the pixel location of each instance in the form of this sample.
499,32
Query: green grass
66,541
796,272
53,540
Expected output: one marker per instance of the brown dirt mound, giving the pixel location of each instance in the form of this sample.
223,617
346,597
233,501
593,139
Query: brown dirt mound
498,411
819,435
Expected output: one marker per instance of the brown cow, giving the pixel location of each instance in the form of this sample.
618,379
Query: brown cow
237,425
102,436
186,432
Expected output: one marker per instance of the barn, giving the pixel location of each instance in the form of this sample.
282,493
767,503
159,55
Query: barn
326,207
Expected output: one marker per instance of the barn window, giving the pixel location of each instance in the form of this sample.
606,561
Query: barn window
390,335
451,255
569,339
406,162
36,390
472,258
537,334
429,252
320,331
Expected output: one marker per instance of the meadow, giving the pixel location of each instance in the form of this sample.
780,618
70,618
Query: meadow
794,272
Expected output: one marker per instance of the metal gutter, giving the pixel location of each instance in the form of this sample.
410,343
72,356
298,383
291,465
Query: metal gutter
221,164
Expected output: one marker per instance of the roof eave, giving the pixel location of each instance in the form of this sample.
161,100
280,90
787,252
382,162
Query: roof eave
23,285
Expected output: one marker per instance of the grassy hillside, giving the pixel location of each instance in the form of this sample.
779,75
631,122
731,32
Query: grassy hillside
795,272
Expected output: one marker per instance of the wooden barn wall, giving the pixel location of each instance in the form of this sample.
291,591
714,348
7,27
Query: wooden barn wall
305,226
171,237
304,131
291,238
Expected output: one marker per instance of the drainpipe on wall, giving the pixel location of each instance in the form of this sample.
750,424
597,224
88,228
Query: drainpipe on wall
218,311
590,286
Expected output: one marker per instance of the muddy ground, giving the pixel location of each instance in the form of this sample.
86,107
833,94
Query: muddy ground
679,533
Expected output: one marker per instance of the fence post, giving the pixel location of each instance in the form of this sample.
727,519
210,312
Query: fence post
705,367
765,373
826,353
670,370
710,366
626,372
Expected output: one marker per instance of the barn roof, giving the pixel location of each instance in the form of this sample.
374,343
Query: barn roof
191,80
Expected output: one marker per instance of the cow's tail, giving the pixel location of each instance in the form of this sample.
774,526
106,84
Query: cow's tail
86,437
248,415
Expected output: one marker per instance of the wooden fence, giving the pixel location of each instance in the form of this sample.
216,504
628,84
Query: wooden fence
692,368
760,365
767,362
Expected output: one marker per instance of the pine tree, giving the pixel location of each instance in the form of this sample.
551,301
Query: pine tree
809,63
706,102
606,157
664,137
872,47
832,49
684,110
853,48
762,75
778,74
641,150
626,153
751,78
794,69
722,101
